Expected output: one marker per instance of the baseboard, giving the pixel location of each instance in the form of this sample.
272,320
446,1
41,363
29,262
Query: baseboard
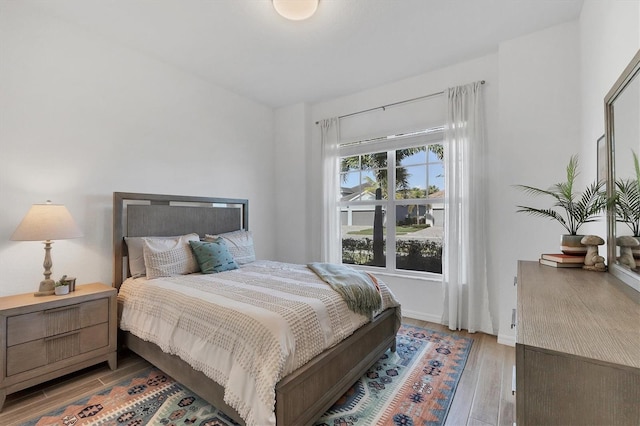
422,316
507,339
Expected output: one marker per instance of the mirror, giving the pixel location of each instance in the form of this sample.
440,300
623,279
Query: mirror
622,130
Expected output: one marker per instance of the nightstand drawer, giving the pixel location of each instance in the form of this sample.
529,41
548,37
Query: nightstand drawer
41,352
51,322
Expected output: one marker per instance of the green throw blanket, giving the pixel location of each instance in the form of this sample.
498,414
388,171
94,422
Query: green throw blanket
358,289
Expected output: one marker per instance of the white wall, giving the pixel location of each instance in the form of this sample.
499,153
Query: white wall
539,131
291,130
81,117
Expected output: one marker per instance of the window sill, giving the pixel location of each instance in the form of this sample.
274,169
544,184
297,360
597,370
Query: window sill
424,276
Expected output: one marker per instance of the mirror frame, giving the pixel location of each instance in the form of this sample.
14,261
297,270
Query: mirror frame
631,71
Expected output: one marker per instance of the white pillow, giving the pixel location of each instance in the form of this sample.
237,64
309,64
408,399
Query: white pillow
135,246
168,263
239,243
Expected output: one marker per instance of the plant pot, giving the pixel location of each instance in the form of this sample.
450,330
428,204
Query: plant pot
570,244
62,289
636,250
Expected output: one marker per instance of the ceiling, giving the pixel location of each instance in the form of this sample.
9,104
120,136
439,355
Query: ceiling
348,46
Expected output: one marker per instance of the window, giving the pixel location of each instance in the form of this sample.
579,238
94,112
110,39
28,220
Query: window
392,202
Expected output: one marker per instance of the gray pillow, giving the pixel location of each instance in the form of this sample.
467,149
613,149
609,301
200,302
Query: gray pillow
240,244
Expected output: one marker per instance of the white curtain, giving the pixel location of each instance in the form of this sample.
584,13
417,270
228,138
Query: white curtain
464,249
330,230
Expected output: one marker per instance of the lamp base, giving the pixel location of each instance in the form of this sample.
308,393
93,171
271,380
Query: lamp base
46,288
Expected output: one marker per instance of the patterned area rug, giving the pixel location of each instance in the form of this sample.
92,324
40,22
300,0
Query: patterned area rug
413,386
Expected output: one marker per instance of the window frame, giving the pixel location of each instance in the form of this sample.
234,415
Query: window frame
390,144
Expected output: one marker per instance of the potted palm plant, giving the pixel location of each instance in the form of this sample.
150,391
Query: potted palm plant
627,203
570,208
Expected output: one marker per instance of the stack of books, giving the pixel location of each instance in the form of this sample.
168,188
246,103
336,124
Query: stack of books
561,260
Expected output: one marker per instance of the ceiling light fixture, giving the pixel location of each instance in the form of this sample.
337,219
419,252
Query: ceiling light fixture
296,10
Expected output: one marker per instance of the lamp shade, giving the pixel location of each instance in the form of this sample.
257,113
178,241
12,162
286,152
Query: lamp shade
296,10
47,222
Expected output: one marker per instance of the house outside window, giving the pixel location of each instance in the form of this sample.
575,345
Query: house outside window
392,203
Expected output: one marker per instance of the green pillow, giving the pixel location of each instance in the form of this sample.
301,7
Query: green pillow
213,256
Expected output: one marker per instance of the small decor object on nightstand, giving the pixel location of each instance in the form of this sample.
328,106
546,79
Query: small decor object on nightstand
62,286
592,260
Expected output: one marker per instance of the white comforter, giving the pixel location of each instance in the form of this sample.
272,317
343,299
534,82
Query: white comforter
245,329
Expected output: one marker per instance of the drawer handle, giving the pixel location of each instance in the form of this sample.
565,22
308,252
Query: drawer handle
513,381
59,336
513,318
61,309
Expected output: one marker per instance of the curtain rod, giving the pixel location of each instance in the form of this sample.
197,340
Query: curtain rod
383,107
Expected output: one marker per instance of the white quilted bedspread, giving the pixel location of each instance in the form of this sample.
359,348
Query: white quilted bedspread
245,329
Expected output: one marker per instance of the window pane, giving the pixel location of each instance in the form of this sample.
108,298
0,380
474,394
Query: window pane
350,163
361,175
370,181
412,182
350,179
436,152
363,235
377,160
419,232
406,157
436,178
382,182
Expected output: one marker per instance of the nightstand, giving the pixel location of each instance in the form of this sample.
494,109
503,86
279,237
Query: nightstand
47,337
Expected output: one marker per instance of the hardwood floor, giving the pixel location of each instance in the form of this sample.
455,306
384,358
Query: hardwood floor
483,396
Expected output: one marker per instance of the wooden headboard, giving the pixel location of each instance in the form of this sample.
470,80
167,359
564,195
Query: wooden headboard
146,215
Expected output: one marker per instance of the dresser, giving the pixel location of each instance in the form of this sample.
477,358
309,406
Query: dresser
47,337
577,348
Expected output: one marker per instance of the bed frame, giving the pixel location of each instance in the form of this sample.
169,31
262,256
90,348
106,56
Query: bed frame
302,396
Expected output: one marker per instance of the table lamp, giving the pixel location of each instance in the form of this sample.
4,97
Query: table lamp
46,222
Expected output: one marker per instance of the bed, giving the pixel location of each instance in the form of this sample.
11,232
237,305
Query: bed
302,395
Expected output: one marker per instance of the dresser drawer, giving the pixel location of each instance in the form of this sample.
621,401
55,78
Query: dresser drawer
47,351
51,322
